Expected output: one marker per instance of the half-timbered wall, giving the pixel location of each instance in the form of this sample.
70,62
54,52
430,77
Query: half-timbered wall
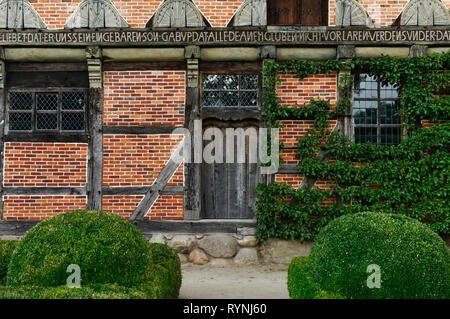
139,91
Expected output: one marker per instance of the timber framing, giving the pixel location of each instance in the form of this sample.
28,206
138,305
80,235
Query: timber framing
150,227
154,191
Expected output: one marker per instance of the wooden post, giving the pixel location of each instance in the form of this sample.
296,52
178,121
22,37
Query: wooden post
2,125
192,193
95,122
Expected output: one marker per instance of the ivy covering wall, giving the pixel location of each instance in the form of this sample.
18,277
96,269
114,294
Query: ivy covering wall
411,178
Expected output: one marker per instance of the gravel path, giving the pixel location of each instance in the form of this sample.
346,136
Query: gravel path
234,282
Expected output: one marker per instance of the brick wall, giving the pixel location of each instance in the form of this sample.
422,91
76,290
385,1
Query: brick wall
144,98
137,13
292,179
38,207
294,91
45,165
217,12
165,207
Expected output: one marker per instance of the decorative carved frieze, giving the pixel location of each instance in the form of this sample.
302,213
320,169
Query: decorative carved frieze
425,13
177,14
351,12
94,62
96,14
192,52
192,73
251,13
19,14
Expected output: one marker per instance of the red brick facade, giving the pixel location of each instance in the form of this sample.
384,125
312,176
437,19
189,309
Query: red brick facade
45,165
293,91
217,12
140,97
36,207
144,98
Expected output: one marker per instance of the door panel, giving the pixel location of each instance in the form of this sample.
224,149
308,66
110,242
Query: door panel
229,189
282,12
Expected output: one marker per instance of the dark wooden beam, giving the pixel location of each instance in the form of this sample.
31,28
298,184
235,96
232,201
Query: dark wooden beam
16,228
168,190
95,159
192,171
2,129
50,138
139,129
143,66
149,227
44,191
230,66
46,67
204,226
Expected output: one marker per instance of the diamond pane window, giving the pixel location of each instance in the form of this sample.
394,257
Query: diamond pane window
230,90
47,102
47,121
21,101
376,111
55,111
20,121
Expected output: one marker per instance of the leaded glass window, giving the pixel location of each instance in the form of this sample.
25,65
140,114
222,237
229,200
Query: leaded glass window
376,111
230,90
54,111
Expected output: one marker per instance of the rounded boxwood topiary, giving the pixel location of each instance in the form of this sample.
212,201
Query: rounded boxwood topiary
6,250
109,291
165,272
108,249
301,284
414,261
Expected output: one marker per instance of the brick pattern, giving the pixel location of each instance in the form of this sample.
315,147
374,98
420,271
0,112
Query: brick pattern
38,207
136,160
293,91
292,179
45,165
137,13
217,12
165,207
144,98
122,205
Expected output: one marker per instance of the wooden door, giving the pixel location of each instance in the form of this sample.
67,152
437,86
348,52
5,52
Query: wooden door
283,12
297,12
229,189
313,12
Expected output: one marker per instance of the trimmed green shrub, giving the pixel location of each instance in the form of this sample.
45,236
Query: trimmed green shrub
165,272
301,284
414,261
108,249
6,250
63,292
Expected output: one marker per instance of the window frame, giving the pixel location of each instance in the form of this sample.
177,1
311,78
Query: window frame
34,111
231,108
378,99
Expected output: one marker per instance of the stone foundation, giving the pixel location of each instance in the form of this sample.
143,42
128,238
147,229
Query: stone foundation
226,249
